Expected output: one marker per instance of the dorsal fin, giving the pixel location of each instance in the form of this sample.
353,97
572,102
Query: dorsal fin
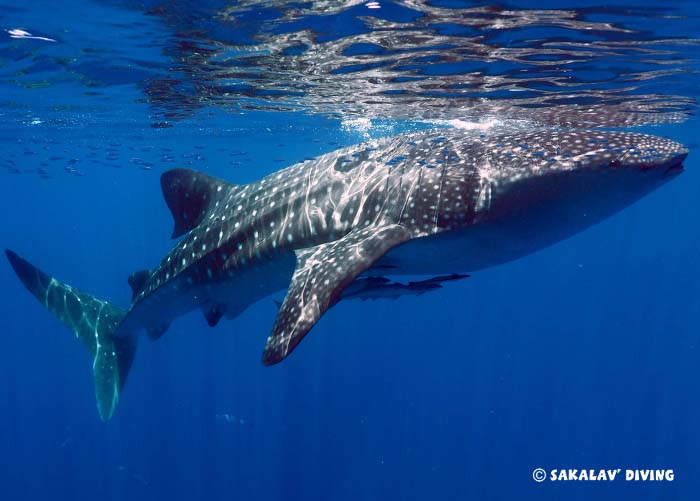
190,195
137,280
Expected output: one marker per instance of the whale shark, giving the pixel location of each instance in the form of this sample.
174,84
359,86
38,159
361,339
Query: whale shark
438,203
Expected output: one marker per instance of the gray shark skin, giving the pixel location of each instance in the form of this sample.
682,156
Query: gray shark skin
432,203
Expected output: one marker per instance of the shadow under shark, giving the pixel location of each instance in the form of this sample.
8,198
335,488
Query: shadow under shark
431,203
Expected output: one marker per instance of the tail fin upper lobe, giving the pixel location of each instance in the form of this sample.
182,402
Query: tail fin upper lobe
93,322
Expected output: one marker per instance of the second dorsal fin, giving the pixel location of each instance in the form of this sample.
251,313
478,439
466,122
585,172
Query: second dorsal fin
137,280
190,195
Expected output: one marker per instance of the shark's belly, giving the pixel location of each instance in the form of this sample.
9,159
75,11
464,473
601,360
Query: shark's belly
527,218
229,295
459,251
489,243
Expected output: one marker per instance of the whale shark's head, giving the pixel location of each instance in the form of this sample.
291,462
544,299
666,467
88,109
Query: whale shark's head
541,187
621,152
535,154
581,169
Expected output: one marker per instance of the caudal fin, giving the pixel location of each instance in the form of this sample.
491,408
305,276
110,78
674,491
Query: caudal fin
93,321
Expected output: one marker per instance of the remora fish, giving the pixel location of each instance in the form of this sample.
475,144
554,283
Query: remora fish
429,203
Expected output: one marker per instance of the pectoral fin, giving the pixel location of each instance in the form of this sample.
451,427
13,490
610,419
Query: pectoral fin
321,275
213,314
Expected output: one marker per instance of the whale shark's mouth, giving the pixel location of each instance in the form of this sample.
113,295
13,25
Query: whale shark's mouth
675,167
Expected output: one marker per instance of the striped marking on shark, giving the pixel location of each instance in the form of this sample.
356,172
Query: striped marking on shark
437,203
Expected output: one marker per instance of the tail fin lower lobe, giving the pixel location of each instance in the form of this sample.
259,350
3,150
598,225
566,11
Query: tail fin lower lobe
93,321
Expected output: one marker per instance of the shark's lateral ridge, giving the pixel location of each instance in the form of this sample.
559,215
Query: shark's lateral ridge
436,203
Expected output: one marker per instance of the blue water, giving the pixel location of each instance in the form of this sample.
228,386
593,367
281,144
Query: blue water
583,355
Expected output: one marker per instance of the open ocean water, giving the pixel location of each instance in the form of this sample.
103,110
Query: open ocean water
581,356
